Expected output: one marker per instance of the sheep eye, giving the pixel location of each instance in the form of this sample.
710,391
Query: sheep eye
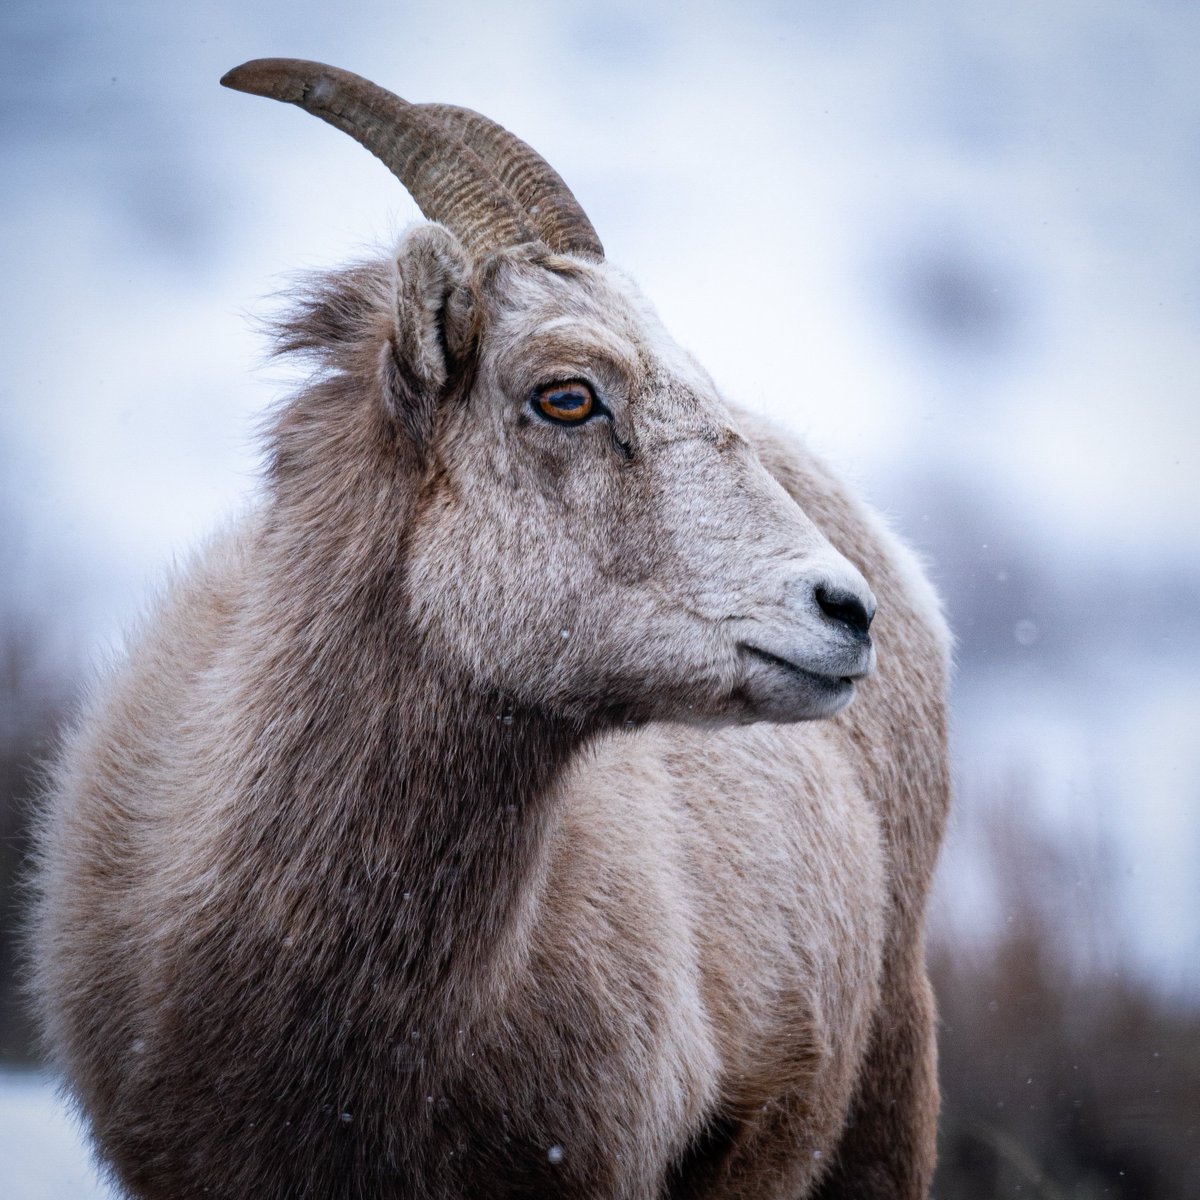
569,403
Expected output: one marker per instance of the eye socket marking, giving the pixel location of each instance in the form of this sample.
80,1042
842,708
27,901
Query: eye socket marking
569,403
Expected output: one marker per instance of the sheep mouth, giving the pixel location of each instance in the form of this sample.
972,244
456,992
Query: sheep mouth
810,678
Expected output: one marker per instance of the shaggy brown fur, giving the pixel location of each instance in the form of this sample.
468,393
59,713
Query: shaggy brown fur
442,836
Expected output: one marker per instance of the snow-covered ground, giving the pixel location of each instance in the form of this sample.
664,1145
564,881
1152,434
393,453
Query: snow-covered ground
43,1155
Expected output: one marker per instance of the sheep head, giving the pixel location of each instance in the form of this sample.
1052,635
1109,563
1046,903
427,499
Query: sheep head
586,529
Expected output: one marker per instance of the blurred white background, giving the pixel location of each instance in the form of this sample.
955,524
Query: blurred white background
956,246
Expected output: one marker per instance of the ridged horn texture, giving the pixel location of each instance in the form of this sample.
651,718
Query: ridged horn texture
537,186
449,181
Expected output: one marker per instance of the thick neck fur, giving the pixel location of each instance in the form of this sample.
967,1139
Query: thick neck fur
377,795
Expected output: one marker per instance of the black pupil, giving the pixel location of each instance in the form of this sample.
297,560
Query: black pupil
567,401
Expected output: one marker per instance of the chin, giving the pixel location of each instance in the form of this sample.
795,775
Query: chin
785,698
778,704
783,708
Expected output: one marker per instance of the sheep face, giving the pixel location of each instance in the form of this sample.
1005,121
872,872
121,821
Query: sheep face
599,537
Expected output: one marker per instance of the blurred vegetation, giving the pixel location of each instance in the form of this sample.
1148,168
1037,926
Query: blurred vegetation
1063,1088
1062,1077
33,700
40,666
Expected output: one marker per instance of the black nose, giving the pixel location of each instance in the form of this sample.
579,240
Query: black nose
847,608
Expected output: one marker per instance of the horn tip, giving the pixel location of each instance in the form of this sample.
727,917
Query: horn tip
268,76
249,77
239,78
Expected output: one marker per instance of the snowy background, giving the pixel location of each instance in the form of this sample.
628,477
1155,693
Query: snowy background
956,246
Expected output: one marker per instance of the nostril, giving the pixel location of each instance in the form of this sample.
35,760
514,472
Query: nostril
846,607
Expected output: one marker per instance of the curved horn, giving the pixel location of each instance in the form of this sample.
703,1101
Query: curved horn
537,186
454,188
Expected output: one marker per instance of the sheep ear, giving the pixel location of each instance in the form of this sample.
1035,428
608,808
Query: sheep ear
432,313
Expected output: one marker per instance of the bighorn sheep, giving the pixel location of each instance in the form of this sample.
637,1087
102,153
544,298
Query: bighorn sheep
487,815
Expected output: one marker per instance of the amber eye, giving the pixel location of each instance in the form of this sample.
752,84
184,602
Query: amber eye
570,403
